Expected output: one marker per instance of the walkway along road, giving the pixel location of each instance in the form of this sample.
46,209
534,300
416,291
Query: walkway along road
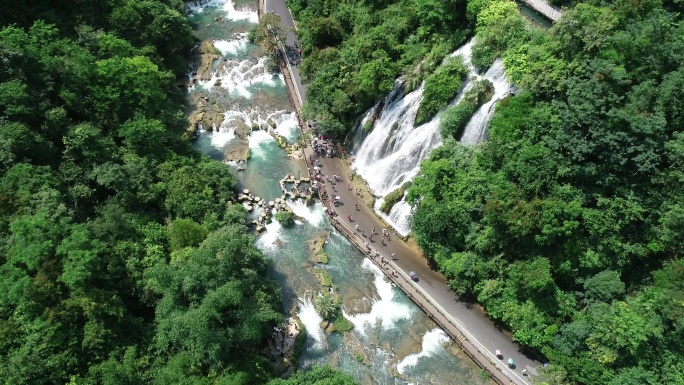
467,325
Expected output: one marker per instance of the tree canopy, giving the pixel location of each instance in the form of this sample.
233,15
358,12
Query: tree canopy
124,260
566,221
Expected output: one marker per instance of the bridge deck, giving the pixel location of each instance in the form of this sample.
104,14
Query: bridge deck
544,8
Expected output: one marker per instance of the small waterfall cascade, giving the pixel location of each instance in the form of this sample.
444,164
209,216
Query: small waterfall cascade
476,129
390,154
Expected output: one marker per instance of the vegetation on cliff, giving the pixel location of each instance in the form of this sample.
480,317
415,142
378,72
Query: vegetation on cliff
353,52
566,224
454,120
441,87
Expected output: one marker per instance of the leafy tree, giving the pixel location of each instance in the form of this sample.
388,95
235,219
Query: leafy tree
604,286
441,87
185,233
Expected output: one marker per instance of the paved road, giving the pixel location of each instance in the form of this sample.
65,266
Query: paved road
279,8
480,329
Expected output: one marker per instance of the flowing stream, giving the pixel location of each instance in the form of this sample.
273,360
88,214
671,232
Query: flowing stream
388,153
393,341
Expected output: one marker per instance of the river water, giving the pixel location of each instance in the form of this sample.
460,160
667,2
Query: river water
393,341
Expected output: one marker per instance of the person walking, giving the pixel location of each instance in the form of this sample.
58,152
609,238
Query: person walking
356,228
356,206
393,257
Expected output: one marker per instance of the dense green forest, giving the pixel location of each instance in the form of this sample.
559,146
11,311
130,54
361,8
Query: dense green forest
567,224
123,260
354,51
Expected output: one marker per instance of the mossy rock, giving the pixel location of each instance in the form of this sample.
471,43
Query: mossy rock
342,325
286,218
393,198
321,257
281,141
271,123
324,278
255,127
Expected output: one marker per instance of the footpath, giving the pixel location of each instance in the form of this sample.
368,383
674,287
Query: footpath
467,325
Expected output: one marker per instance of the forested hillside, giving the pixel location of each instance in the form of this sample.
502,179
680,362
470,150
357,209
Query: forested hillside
122,259
354,51
567,223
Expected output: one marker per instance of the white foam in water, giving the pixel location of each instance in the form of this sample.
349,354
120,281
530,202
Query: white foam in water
256,140
230,47
198,6
221,137
234,14
399,217
432,343
267,239
311,320
314,214
385,310
392,152
287,125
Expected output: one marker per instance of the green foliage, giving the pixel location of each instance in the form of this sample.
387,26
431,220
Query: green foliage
454,120
286,218
326,306
185,233
394,197
354,52
441,87
499,25
318,375
341,324
220,286
270,34
108,272
566,223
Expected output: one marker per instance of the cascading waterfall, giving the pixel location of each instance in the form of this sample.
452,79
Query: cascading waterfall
476,129
391,153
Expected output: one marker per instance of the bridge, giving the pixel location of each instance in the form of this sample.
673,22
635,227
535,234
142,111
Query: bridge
544,8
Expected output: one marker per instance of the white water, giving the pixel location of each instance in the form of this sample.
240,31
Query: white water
399,217
232,47
200,5
385,310
232,13
268,239
311,320
240,14
432,343
238,76
286,125
476,130
391,153
314,214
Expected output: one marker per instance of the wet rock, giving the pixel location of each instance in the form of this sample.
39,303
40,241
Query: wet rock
207,55
242,130
237,150
315,246
280,140
357,302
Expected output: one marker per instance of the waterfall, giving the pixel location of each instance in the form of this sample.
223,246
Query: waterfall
390,154
476,129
